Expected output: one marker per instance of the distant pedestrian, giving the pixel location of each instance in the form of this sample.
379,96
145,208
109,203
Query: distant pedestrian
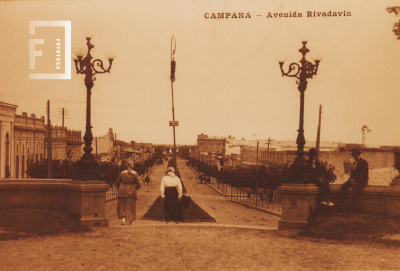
171,192
128,183
270,196
147,180
358,180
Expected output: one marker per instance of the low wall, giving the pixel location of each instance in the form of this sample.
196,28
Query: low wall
375,159
85,200
377,199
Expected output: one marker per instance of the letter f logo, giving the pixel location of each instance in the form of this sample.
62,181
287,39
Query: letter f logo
32,52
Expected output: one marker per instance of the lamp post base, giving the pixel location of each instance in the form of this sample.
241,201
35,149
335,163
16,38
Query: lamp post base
299,174
87,202
89,171
298,203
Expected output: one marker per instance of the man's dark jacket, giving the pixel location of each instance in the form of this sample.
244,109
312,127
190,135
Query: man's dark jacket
360,173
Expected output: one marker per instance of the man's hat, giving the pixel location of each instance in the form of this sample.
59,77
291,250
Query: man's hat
312,151
355,152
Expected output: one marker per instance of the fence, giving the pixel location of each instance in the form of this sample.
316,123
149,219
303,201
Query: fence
267,199
112,191
278,157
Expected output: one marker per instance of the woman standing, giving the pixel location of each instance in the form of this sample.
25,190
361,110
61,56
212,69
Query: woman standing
171,192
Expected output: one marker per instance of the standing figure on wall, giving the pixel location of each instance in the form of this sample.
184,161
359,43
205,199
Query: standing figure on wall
358,180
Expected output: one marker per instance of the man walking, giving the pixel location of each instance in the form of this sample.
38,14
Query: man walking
358,180
128,183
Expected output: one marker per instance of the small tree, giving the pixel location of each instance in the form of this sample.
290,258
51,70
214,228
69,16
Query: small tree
396,27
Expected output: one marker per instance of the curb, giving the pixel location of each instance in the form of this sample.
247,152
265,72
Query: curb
182,224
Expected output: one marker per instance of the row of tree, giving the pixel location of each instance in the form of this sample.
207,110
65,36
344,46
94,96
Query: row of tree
66,169
267,177
262,177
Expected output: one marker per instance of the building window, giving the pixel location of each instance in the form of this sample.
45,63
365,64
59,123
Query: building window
7,157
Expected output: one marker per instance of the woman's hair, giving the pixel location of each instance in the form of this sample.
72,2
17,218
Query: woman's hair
170,169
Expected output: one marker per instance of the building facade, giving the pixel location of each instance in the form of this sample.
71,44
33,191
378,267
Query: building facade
213,144
24,140
29,142
103,146
65,144
7,121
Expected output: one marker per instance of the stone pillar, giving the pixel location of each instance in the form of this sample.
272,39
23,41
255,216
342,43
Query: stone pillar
393,198
87,202
298,202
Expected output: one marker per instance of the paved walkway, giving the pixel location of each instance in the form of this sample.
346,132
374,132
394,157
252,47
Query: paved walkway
221,208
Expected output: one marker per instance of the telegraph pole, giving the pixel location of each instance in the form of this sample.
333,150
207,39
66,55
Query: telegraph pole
257,175
269,142
115,142
63,113
48,141
257,153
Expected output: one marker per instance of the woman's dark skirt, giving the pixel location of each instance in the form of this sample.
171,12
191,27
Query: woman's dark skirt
171,204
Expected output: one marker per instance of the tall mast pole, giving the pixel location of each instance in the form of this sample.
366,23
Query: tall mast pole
319,132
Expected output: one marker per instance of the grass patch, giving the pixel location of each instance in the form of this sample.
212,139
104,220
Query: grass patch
22,223
340,226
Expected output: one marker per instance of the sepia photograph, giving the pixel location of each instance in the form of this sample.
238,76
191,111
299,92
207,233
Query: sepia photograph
199,135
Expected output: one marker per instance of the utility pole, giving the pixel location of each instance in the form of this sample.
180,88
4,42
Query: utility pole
115,143
63,113
269,142
318,133
48,141
257,153
257,175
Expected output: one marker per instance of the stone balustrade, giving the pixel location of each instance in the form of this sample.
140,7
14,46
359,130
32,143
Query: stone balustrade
85,200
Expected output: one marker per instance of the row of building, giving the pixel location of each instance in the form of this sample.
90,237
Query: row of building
218,145
222,151
23,140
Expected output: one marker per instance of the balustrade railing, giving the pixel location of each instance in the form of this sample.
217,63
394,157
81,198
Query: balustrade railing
268,199
112,191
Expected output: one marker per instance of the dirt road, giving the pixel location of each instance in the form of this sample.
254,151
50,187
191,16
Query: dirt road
241,239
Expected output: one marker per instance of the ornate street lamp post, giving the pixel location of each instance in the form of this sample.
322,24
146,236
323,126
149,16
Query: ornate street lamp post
89,68
303,71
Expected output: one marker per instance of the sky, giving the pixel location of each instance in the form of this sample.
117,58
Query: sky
227,79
